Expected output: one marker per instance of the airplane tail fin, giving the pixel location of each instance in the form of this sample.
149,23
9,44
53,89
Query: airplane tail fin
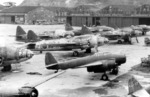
134,85
68,27
20,31
85,30
50,61
31,36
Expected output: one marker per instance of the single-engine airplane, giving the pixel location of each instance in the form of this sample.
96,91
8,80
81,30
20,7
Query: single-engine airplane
97,63
11,54
136,90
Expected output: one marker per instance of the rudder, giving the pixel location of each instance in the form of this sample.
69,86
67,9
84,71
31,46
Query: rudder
49,59
31,36
133,85
68,27
20,31
85,30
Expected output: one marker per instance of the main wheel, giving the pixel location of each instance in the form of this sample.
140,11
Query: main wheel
88,50
104,77
115,71
6,68
75,53
40,52
120,42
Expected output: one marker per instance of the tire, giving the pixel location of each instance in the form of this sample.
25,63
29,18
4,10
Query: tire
115,71
6,68
119,42
88,50
104,77
40,52
75,53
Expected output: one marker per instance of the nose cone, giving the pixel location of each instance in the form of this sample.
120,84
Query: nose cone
29,54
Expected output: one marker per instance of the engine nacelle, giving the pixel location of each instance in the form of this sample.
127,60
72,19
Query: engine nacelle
106,65
28,92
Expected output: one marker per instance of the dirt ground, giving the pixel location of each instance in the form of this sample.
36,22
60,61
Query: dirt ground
75,82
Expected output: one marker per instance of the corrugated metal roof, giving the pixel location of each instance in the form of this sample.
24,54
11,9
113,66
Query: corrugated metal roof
19,9
26,9
123,7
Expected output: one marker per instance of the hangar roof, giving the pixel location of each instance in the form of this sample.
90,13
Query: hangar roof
19,9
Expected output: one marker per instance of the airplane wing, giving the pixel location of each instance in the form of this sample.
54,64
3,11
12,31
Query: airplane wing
99,63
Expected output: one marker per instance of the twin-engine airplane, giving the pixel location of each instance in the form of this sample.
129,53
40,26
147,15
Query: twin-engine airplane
21,35
136,90
29,90
97,63
83,42
84,30
11,55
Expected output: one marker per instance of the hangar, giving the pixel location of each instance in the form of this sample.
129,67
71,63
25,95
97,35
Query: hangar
112,15
33,14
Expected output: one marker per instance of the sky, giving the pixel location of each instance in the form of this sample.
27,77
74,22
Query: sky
16,1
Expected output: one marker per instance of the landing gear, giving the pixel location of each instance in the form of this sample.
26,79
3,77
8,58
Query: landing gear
120,42
6,68
88,50
75,53
56,71
115,71
40,52
104,77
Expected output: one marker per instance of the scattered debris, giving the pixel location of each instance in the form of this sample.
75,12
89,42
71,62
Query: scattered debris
34,73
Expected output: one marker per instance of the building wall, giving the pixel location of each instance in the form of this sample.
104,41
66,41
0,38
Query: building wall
114,22
40,15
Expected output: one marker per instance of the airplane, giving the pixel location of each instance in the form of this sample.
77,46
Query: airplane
84,30
136,90
83,42
101,28
29,90
97,63
22,36
10,54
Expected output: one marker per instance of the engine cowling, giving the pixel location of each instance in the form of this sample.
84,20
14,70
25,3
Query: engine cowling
106,65
28,92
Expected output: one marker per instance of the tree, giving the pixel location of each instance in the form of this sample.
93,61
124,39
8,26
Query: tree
9,4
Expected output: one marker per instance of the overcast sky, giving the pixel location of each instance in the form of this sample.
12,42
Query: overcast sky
16,1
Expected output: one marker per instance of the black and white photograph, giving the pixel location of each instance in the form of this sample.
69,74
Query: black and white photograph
74,48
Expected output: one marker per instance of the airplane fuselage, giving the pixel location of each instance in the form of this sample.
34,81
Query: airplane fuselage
116,59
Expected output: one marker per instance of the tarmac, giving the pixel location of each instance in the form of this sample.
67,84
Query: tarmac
78,82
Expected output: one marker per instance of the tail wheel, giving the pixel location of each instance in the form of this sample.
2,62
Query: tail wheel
104,77
75,53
